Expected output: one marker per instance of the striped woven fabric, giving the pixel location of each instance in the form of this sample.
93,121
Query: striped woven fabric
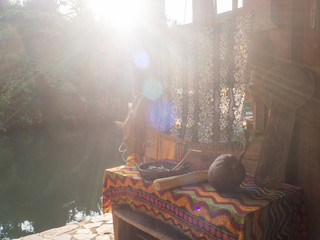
198,211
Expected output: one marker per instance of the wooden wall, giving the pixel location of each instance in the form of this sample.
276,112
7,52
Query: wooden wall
304,169
289,31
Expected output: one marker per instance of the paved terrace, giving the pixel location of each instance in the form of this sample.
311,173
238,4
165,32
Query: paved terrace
99,228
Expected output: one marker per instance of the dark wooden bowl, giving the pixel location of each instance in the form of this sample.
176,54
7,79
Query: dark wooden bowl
159,169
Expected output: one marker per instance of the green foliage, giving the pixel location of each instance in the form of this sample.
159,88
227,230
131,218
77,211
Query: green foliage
18,104
247,108
54,67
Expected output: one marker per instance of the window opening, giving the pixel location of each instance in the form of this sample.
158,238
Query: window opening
227,5
224,6
178,11
240,3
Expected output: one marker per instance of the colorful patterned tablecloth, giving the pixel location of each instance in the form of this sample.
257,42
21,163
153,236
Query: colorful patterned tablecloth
252,212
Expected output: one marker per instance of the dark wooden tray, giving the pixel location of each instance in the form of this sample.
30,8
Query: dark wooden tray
159,169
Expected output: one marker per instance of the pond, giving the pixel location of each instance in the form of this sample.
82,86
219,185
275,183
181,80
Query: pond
52,177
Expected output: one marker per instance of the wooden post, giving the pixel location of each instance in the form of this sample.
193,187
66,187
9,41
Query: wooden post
259,115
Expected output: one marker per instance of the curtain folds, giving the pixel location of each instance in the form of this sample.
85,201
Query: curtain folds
205,75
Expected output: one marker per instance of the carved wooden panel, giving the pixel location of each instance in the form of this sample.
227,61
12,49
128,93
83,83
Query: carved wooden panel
285,89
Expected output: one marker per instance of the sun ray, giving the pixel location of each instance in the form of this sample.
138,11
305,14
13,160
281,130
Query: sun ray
122,14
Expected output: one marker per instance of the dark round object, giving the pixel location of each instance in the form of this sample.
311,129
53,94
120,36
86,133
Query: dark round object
159,169
226,173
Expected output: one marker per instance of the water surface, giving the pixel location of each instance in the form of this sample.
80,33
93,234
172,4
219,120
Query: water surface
52,177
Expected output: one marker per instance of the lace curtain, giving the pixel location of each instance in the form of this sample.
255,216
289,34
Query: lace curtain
204,79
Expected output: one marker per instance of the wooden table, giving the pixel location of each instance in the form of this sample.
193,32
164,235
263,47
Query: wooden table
133,225
199,212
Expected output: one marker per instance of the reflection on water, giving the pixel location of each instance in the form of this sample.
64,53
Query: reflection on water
49,178
27,226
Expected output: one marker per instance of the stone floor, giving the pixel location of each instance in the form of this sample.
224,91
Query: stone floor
99,228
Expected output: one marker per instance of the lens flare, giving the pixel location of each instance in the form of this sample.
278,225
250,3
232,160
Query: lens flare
159,114
152,88
141,59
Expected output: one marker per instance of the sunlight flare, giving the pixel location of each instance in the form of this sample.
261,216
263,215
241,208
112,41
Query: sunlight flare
123,14
152,88
141,59
178,11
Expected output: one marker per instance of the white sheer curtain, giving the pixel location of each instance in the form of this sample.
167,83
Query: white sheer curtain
205,78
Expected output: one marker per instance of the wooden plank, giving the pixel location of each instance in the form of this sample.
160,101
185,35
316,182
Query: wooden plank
285,89
149,225
259,115
275,148
150,143
121,230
